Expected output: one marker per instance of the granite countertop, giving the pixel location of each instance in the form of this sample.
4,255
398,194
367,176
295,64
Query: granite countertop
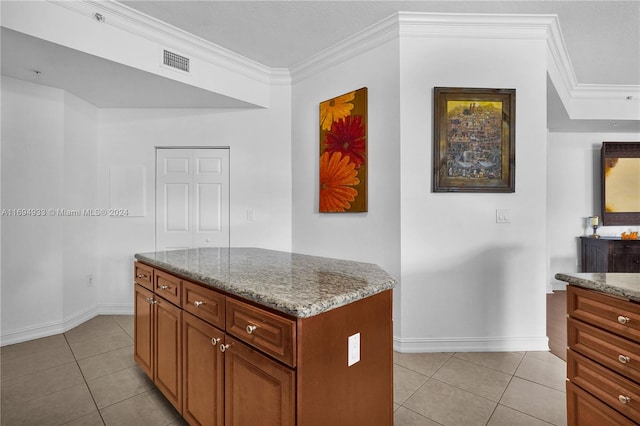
625,285
295,284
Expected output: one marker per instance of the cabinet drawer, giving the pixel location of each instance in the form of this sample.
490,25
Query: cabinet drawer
609,387
585,410
268,332
143,275
204,303
608,312
626,247
616,353
167,286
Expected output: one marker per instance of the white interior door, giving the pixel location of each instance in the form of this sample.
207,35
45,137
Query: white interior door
192,198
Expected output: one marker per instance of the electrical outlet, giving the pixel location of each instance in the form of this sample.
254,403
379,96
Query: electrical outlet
89,280
250,215
354,349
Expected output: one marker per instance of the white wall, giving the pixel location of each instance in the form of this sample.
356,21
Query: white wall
49,158
468,283
57,152
260,179
573,189
368,237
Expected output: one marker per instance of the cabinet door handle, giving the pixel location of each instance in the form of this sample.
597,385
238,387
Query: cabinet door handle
223,347
623,319
251,328
198,303
149,299
624,359
215,341
624,399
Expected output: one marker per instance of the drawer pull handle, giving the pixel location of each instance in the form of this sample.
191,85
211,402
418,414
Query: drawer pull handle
223,348
251,328
198,303
214,341
624,359
623,319
165,287
624,399
141,276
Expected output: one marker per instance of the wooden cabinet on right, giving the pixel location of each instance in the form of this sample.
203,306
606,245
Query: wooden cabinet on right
609,255
603,359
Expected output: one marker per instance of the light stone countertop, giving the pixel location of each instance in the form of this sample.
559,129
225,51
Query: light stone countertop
625,285
295,284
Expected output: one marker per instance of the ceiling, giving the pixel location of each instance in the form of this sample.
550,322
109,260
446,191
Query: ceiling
602,38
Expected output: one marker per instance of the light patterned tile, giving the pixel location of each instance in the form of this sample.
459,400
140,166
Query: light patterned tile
536,400
482,381
543,368
98,344
33,362
115,387
93,419
52,409
405,383
41,383
147,409
405,417
505,416
448,405
507,362
107,362
424,363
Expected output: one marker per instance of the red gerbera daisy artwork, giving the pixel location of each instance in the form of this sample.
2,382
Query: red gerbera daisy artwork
343,153
348,137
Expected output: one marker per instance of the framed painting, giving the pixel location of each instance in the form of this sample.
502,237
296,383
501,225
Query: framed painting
474,140
343,153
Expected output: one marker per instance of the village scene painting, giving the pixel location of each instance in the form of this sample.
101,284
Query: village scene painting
474,140
474,144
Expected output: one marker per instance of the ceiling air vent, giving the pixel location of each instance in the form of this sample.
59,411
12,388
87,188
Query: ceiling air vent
176,61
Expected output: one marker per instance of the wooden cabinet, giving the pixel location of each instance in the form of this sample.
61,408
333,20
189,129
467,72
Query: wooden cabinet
143,329
158,334
203,372
222,360
609,255
603,359
168,350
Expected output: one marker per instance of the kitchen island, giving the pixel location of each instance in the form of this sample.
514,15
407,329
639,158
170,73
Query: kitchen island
249,336
603,355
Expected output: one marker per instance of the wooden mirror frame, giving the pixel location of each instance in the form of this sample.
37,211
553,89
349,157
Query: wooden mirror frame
617,150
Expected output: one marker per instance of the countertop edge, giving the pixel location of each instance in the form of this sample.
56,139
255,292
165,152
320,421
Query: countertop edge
599,283
298,311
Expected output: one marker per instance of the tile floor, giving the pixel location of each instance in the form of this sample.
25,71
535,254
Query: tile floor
87,377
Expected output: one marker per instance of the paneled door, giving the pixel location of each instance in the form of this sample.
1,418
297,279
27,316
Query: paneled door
192,198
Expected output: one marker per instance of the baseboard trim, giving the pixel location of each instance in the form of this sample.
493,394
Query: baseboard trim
56,327
470,344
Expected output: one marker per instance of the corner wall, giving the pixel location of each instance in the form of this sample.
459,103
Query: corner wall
468,283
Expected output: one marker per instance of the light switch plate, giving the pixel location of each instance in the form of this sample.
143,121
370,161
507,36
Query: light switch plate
354,349
503,216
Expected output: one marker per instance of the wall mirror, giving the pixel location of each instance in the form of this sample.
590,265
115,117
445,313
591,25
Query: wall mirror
620,176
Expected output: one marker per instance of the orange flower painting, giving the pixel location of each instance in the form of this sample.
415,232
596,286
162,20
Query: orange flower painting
343,153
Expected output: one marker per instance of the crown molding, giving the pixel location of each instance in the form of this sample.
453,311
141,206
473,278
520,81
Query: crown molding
166,35
357,44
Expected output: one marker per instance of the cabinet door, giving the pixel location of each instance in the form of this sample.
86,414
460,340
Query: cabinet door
143,329
203,372
625,262
258,390
168,351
